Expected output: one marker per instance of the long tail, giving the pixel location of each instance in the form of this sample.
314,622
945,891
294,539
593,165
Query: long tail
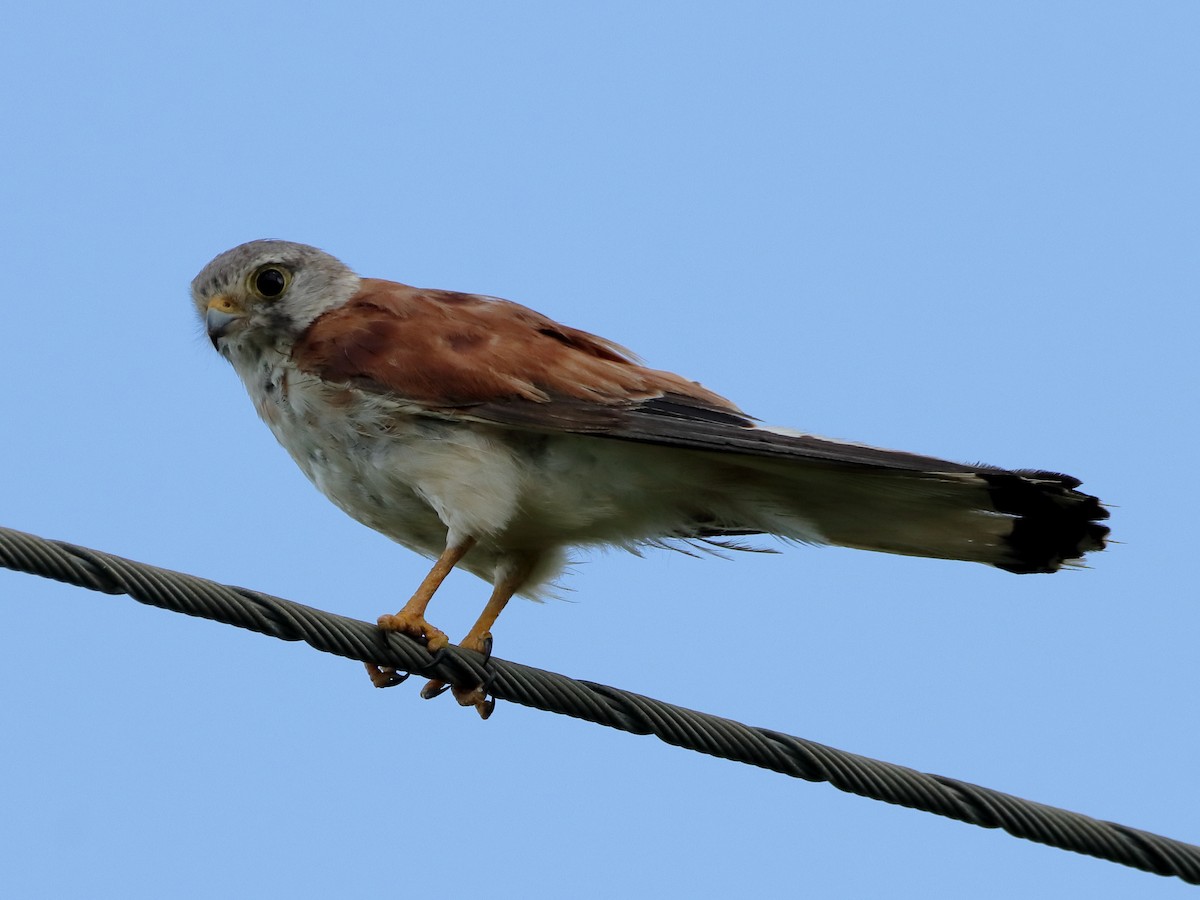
1021,521
753,479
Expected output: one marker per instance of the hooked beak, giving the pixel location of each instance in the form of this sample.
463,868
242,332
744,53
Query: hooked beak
221,316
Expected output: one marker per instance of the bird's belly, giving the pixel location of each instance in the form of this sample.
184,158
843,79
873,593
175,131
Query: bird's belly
588,490
355,454
417,477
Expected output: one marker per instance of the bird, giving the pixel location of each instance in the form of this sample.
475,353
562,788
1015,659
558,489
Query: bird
490,438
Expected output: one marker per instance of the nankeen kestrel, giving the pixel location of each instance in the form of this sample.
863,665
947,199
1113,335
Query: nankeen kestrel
486,435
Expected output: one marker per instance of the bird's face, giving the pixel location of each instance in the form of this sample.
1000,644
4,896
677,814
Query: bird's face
266,293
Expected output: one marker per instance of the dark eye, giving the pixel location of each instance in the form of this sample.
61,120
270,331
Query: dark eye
269,281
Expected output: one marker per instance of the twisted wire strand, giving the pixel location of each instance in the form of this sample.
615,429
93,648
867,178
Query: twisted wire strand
602,704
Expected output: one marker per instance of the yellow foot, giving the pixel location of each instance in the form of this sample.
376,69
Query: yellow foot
415,626
477,698
473,696
383,676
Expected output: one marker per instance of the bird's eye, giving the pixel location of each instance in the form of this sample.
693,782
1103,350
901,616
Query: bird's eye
269,282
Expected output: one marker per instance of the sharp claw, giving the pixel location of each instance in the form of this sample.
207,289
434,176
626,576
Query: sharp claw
486,707
434,689
385,676
486,649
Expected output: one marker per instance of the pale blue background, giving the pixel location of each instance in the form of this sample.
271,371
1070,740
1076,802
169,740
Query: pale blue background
962,229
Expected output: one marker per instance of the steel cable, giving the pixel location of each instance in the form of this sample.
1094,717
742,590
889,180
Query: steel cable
602,704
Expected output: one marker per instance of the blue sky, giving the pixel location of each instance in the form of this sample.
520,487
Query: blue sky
959,229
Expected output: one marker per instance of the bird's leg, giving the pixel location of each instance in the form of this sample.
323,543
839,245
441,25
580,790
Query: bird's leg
411,619
479,638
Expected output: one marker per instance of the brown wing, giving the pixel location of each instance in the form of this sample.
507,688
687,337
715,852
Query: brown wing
495,361
446,350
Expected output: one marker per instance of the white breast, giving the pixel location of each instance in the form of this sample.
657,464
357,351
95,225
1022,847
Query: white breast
411,478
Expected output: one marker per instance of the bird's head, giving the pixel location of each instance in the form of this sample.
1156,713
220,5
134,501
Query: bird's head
266,293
